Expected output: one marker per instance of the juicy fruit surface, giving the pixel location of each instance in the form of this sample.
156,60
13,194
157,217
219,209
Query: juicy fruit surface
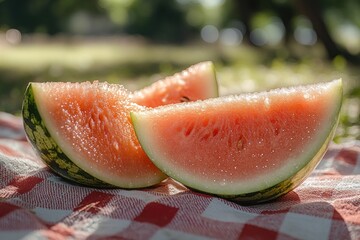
83,132
48,149
241,144
90,123
198,82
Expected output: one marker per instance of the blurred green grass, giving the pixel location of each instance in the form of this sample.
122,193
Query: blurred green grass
135,65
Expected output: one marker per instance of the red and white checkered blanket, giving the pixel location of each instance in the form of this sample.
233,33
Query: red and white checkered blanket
37,204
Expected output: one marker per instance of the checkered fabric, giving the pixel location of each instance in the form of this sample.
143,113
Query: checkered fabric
37,204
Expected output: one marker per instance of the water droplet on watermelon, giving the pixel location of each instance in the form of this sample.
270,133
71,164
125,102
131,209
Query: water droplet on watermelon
92,124
223,182
267,103
116,145
306,95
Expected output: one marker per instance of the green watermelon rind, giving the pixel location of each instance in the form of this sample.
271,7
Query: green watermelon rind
289,180
47,148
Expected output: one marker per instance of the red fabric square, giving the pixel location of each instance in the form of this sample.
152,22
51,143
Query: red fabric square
255,232
157,213
348,156
94,202
24,184
6,208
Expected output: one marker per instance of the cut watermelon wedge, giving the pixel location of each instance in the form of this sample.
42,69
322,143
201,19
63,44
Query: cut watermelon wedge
249,148
83,131
198,82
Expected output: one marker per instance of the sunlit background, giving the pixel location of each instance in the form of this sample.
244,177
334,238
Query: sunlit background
255,45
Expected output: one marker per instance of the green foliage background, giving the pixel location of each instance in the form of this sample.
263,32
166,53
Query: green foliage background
135,43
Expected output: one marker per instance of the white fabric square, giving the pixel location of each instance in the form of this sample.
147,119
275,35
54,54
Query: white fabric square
220,211
305,227
52,215
101,226
165,233
141,195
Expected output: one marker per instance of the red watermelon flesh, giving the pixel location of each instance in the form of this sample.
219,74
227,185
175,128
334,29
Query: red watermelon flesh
90,122
197,82
241,144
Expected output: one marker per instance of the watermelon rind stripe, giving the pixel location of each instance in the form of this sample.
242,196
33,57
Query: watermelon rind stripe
47,148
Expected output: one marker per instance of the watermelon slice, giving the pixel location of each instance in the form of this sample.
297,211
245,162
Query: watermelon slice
83,131
198,82
248,148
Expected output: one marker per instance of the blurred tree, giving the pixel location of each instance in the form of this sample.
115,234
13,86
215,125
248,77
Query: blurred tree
177,21
245,10
47,16
313,11
162,21
159,20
